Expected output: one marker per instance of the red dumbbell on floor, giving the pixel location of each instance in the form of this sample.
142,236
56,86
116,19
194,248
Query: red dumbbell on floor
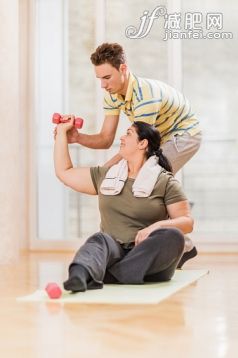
53,290
57,118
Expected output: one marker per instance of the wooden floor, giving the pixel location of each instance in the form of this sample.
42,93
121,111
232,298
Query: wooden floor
198,321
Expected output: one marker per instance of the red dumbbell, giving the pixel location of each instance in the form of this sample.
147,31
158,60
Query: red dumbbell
53,290
57,118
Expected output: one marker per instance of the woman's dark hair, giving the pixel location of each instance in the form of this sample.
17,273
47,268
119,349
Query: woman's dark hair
149,132
112,53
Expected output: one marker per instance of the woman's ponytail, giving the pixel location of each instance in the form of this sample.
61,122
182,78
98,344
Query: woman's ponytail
163,161
149,132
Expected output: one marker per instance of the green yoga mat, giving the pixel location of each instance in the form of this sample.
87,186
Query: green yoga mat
149,293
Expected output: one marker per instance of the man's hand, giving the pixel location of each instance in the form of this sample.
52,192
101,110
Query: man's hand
72,135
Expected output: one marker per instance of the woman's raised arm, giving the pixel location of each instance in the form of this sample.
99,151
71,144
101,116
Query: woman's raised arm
78,179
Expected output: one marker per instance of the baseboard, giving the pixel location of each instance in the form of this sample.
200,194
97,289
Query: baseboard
229,248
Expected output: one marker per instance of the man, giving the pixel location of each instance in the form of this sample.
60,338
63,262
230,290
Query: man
144,100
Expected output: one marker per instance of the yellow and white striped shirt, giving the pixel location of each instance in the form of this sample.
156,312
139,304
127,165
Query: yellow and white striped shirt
154,102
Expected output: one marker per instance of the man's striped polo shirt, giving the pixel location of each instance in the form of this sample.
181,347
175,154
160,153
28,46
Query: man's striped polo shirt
156,103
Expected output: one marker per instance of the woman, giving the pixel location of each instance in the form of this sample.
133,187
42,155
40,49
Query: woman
141,237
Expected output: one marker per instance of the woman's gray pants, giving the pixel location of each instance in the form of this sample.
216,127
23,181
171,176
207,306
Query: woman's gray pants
154,259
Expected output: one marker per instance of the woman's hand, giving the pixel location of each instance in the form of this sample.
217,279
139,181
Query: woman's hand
63,128
143,235
72,135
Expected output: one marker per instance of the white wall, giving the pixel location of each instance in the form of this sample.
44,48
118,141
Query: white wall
10,151
206,180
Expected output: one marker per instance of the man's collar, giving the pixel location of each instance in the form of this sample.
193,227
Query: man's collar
130,88
129,91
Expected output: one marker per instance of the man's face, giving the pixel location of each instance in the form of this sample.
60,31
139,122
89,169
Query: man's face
112,80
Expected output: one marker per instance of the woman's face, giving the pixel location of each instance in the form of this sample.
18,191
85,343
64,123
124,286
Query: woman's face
130,143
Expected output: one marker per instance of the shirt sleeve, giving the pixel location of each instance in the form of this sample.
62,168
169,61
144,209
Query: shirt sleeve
147,110
110,105
173,192
97,175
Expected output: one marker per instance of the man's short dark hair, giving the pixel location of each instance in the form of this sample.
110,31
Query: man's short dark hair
111,53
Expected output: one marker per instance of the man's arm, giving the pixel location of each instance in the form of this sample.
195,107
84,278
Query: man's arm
114,160
102,140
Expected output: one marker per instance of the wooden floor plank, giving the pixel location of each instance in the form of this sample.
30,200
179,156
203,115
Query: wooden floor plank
199,320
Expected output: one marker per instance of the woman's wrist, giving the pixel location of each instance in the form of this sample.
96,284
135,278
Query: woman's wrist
61,133
154,227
